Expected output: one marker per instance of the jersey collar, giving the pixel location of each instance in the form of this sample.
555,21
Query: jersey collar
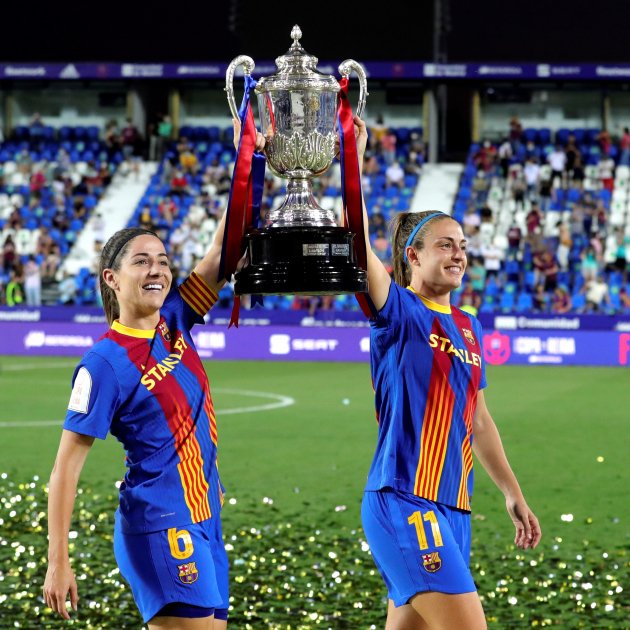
434,306
132,332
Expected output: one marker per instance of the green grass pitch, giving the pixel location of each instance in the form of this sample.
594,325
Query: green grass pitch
300,437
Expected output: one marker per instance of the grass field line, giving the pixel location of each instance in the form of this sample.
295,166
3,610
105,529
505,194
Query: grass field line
279,401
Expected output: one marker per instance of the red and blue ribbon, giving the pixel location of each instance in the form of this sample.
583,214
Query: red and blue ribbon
351,188
243,211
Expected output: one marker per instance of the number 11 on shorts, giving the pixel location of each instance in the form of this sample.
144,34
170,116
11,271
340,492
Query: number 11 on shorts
417,519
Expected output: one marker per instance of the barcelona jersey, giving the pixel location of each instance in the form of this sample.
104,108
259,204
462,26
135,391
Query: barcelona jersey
427,367
149,389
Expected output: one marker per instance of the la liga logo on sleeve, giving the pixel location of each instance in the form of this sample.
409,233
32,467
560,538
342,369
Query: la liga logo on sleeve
80,396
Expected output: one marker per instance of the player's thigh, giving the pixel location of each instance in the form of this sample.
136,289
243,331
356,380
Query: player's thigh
181,623
445,611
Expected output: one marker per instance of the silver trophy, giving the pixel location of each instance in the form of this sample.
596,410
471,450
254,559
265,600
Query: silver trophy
300,249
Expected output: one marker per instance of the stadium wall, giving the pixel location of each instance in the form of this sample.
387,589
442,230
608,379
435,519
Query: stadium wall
296,336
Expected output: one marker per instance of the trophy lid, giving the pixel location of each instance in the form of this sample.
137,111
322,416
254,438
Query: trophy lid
297,71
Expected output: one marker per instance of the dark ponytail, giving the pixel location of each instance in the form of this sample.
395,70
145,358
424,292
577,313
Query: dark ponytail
111,255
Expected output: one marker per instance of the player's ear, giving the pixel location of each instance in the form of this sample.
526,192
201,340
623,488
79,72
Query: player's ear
111,279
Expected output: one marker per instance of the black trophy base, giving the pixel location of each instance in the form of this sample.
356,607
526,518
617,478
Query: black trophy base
300,261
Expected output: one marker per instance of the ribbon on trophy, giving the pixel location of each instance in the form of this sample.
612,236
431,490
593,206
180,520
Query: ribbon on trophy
351,188
243,210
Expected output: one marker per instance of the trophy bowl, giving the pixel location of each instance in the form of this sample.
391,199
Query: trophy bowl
300,249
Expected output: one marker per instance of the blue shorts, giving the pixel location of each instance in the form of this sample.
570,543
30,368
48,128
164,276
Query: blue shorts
186,565
417,545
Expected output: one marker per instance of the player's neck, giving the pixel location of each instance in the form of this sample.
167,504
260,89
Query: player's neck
139,321
428,293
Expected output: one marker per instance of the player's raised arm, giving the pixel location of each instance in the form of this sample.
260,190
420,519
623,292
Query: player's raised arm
378,276
60,580
208,267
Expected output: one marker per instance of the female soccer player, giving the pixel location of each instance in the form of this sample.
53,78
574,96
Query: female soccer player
144,382
428,375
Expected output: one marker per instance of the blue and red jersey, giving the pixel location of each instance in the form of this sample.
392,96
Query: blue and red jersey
149,389
427,367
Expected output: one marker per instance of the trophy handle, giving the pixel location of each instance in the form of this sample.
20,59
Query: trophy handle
248,67
345,68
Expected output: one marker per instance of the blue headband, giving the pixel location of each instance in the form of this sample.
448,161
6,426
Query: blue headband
415,230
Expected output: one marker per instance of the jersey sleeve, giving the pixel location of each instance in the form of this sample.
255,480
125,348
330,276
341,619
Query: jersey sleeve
392,309
95,397
193,297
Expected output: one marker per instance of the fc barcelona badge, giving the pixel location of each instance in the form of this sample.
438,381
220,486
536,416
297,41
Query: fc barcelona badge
164,331
469,336
188,572
432,561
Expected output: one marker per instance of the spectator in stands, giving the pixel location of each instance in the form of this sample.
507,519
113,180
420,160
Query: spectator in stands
621,249
469,299
505,154
540,299
561,302
388,147
492,257
382,249
604,141
476,271
557,159
14,292
577,175
145,219
589,265
572,152
515,134
531,173
394,174
67,288
371,165
377,222
624,148
130,139
32,282
168,210
413,165
597,294
9,254
44,241
51,264
519,189
547,269
188,161
377,132
112,140
165,134
36,126
37,180
565,242
471,220
606,171
480,186
545,188
534,220
514,236
179,184
485,157
624,299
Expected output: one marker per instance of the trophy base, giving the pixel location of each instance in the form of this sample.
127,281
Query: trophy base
300,261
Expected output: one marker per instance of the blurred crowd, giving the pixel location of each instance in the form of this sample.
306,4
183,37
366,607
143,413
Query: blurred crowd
545,214
546,217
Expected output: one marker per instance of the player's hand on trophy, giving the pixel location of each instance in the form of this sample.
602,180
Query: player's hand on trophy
361,136
260,139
